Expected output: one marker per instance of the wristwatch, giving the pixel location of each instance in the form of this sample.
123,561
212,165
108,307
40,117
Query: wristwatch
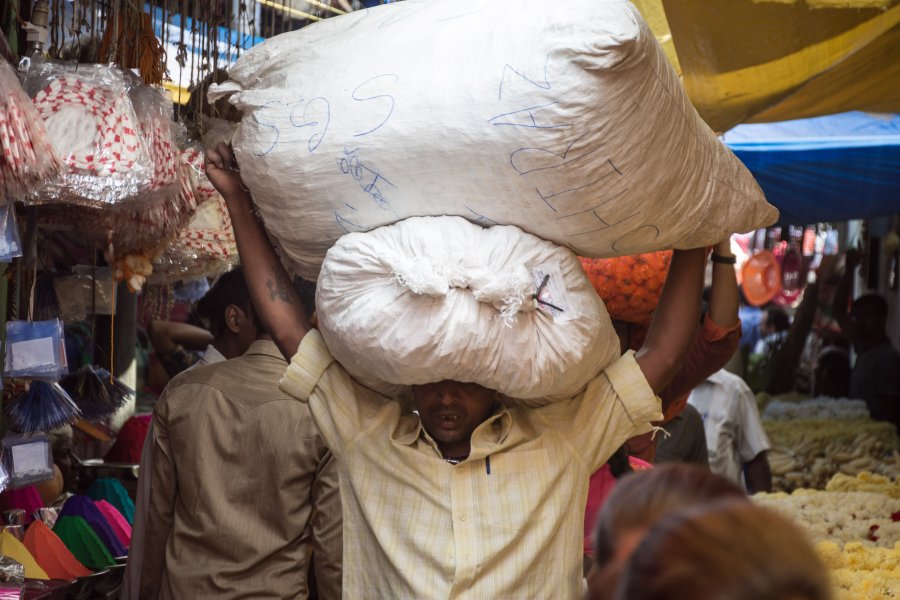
725,260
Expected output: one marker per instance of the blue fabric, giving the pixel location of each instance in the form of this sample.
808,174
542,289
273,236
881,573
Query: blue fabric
832,168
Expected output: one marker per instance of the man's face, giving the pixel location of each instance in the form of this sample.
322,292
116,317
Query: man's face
450,412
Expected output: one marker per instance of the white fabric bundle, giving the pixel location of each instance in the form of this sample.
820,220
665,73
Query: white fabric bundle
434,298
565,120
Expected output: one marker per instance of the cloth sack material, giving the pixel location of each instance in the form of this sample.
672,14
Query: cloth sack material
434,298
570,124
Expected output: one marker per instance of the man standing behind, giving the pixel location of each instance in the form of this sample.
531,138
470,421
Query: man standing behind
735,439
876,375
234,473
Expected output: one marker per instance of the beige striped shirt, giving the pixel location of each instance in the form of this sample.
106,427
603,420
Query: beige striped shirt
505,523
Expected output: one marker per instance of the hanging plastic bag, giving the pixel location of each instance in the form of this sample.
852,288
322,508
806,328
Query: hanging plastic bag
10,242
35,349
27,458
27,157
98,289
92,125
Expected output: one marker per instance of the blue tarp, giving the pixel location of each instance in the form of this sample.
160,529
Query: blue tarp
832,168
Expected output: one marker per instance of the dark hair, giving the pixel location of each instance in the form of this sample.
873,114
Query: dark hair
229,289
618,462
641,498
727,549
777,319
307,291
874,302
832,373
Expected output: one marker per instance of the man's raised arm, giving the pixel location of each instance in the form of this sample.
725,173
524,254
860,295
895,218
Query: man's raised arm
676,319
274,298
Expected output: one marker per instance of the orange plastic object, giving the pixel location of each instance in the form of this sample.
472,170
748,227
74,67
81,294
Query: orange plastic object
761,278
629,285
51,553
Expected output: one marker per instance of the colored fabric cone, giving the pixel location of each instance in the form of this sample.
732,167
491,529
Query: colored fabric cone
129,441
84,507
115,493
82,541
26,498
51,553
14,549
115,519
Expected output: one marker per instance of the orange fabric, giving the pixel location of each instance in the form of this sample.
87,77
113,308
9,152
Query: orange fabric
51,553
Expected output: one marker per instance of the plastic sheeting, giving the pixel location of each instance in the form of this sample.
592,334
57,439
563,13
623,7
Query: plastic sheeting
766,61
831,168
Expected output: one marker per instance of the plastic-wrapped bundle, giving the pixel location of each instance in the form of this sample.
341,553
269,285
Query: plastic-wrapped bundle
26,156
433,298
92,125
206,246
629,285
134,229
153,110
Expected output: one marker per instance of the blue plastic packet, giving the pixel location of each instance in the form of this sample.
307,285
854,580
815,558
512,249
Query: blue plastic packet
35,349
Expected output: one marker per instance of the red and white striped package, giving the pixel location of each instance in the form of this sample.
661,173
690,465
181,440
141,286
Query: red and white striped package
91,122
206,246
27,158
154,109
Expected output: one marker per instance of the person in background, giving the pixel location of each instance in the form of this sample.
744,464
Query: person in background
773,330
686,441
226,307
876,375
735,438
733,550
832,373
713,344
639,501
235,470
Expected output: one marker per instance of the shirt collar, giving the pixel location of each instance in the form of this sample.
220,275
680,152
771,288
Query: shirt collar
486,439
265,348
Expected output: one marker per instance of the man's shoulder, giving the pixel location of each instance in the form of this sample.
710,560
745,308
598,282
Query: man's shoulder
241,376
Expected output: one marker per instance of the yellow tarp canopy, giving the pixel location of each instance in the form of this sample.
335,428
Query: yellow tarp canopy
775,60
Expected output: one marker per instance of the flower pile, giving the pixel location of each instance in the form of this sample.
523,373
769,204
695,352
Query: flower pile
807,453
816,408
856,529
629,285
859,572
865,482
841,517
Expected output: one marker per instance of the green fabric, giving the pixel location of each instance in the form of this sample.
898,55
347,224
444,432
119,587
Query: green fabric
115,493
82,541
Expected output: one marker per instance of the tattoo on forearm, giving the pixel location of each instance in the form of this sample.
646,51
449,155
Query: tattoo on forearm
279,288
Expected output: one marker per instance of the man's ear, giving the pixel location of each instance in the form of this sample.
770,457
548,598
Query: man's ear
233,316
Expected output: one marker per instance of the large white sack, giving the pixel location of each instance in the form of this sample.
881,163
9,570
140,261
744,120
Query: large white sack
564,119
434,298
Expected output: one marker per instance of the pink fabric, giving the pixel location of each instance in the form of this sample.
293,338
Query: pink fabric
601,484
26,498
117,522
